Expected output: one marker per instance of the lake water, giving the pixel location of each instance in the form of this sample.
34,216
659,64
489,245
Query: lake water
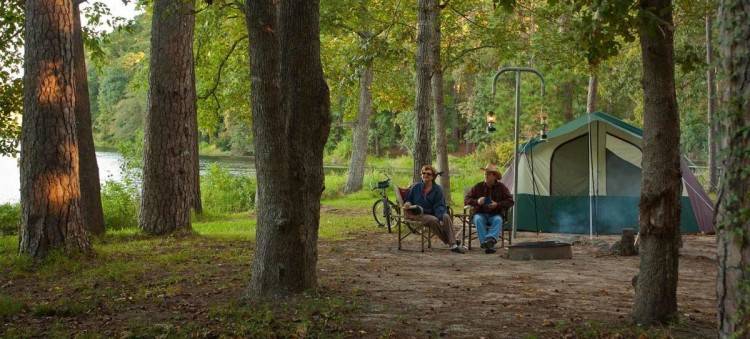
109,169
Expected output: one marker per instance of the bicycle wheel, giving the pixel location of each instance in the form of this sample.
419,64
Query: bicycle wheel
391,221
378,212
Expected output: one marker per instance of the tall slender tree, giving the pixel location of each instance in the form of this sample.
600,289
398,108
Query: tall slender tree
91,201
50,189
656,288
356,172
593,92
733,207
713,173
291,122
169,148
441,141
423,132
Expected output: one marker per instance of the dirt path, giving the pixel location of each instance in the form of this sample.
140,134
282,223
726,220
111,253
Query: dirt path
440,293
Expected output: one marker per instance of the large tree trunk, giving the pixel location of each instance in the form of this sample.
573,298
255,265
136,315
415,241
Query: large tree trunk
168,168
50,191
289,138
91,201
422,132
592,93
656,289
734,201
713,173
361,131
441,142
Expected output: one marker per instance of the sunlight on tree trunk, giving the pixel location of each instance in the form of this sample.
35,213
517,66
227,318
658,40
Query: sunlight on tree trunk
50,189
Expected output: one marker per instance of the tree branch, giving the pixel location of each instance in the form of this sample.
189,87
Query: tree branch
463,53
212,91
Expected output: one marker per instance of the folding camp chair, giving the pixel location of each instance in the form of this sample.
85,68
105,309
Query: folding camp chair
468,231
407,226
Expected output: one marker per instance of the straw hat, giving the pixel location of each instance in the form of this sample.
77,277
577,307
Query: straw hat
491,168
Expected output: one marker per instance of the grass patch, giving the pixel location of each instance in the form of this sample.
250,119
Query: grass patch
62,308
310,315
233,227
9,306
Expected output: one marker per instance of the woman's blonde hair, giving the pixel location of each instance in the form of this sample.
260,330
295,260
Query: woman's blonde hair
429,167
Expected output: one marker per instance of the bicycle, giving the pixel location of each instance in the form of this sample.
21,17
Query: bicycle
384,210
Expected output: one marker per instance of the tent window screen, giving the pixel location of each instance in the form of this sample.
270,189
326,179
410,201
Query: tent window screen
569,174
623,167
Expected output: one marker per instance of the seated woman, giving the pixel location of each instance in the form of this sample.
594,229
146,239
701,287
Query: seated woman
429,196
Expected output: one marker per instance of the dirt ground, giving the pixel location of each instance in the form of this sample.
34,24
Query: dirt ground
399,294
440,293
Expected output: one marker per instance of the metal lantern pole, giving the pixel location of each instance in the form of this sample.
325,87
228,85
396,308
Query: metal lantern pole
518,71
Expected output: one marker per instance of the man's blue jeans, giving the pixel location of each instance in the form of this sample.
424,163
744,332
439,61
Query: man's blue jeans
488,226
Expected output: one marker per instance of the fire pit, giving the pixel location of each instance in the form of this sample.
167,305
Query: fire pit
540,250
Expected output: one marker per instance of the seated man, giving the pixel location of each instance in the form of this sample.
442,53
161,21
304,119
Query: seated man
429,197
490,200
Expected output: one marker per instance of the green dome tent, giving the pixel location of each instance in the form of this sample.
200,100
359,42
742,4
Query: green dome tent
575,184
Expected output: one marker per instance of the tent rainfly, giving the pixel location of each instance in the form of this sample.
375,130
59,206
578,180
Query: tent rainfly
586,179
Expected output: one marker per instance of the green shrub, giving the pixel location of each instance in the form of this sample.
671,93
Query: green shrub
334,185
120,204
499,153
10,217
342,152
223,192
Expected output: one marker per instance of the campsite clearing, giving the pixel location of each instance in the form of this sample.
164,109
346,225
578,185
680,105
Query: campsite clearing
140,286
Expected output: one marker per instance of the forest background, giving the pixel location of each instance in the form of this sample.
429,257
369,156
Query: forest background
478,38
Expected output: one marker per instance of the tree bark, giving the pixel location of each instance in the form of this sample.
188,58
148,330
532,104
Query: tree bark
422,132
91,201
733,206
656,290
713,173
50,189
592,93
168,167
361,131
197,202
290,134
568,90
441,141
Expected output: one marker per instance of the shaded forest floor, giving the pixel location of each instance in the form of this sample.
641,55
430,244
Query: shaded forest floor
137,286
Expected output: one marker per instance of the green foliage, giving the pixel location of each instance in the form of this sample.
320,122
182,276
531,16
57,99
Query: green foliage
499,153
341,152
120,204
223,192
11,84
10,217
132,159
